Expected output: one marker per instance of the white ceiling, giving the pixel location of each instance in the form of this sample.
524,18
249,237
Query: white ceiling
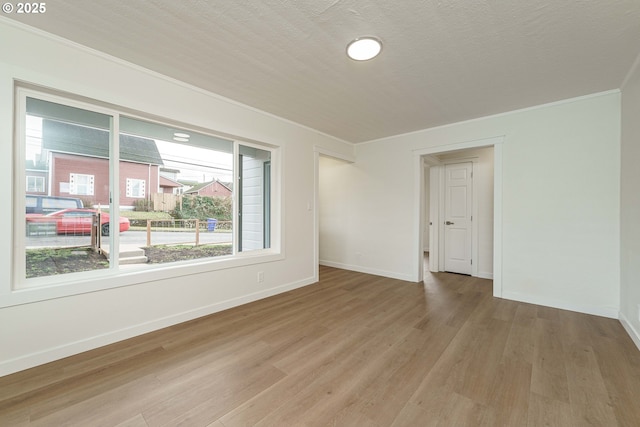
443,61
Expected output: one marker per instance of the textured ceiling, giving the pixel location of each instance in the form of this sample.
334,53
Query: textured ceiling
443,61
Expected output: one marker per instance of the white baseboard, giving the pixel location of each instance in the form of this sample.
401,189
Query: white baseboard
633,333
485,275
49,355
610,312
375,272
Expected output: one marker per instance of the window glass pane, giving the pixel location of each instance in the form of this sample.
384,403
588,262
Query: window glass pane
80,184
255,198
66,174
35,184
135,188
176,189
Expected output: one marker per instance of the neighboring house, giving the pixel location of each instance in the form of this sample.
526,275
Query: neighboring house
37,175
213,188
170,186
172,174
79,167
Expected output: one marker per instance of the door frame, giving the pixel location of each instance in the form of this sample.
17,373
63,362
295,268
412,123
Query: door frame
421,159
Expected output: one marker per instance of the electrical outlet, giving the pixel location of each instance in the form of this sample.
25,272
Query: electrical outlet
260,276
638,312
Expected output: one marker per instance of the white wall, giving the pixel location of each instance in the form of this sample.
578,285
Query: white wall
560,197
38,332
357,212
630,206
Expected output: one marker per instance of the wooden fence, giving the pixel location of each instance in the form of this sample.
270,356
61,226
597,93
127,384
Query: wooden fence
185,225
166,202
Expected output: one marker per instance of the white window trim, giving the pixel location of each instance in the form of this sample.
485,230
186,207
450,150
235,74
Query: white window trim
37,179
129,186
73,186
20,290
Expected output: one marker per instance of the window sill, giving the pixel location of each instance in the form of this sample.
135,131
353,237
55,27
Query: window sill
85,283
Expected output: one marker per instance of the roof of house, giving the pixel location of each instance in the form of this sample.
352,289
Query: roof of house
169,170
199,187
69,138
31,165
168,182
196,188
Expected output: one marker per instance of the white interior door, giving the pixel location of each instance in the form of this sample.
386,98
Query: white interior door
457,218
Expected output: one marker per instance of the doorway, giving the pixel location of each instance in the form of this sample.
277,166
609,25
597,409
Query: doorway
331,207
485,215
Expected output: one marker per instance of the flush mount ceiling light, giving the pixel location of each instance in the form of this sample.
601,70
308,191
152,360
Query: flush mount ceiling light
364,48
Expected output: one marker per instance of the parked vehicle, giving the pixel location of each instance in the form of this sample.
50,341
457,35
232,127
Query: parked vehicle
74,221
47,204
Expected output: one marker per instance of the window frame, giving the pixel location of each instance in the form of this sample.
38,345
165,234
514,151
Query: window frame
35,178
73,188
22,290
238,175
129,185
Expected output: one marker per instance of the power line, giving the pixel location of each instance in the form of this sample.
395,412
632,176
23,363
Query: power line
197,164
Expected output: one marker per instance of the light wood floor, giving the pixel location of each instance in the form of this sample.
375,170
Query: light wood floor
352,350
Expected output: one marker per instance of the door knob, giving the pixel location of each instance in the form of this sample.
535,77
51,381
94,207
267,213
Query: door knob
448,223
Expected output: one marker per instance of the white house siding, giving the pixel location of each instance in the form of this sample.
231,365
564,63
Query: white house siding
252,203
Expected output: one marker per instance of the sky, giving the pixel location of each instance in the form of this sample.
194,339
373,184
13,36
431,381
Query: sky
195,163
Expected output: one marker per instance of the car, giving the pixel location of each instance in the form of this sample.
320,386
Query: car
74,221
37,204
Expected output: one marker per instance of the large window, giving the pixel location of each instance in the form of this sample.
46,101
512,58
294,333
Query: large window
152,194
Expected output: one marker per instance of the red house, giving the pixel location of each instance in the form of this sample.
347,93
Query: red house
78,164
169,186
212,189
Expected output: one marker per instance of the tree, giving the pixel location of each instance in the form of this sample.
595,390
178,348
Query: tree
203,207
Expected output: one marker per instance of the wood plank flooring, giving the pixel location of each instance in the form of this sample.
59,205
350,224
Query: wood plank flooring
352,350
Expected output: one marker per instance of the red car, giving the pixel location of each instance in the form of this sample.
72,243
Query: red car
75,221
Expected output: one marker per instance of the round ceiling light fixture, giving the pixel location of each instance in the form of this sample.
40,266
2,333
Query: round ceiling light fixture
181,137
364,48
